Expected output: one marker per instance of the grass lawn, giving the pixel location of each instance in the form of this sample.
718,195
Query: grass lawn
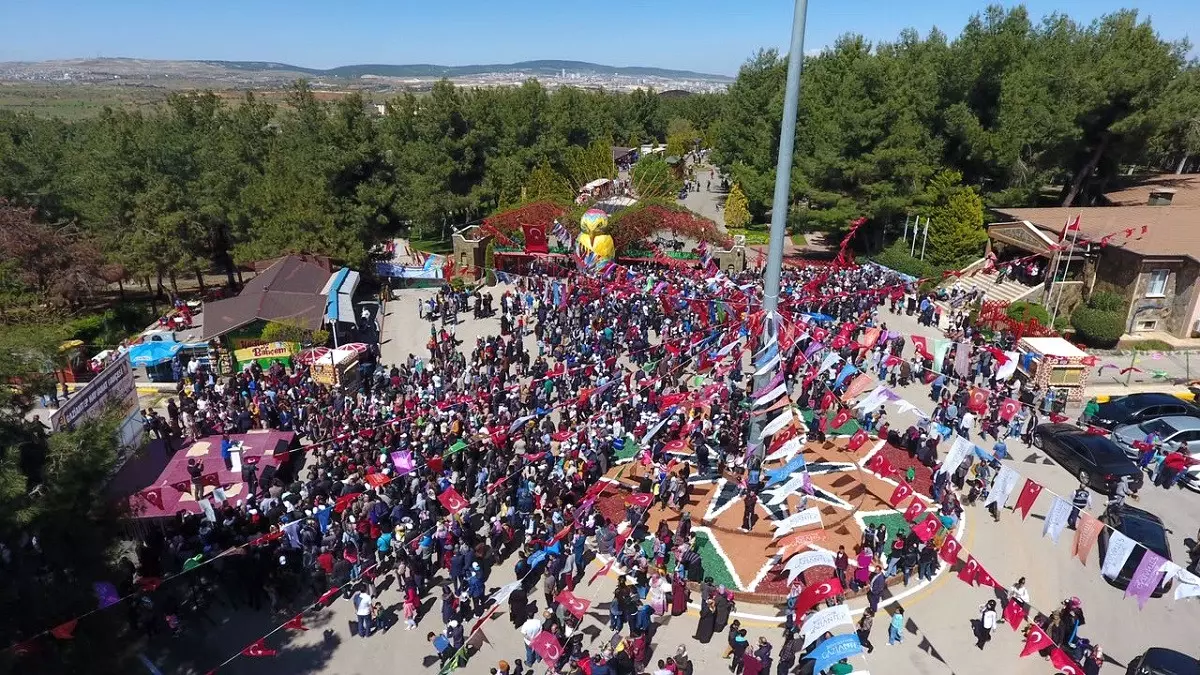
894,522
714,564
754,237
799,239
431,245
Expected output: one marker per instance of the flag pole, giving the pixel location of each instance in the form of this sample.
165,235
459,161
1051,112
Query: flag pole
783,187
1066,269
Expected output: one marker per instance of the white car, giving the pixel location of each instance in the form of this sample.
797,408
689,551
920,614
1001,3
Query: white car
1174,433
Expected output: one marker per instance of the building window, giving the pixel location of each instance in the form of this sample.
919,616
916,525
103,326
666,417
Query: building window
1157,287
1147,325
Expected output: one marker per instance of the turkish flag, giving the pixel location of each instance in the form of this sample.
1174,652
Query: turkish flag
819,334
602,571
1029,494
950,549
561,435
983,578
839,341
154,496
921,345
977,403
839,420
296,623
1014,613
641,500
969,570
576,606
881,466
827,400
182,486
328,595
483,619
926,529
453,501
547,647
783,436
535,239
1064,663
1097,431
903,491
1089,360
678,445
857,440
892,360
259,648
344,502
667,400
435,464
915,508
377,480
809,597
1058,418
211,479
65,631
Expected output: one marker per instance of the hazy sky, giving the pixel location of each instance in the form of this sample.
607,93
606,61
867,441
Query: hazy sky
702,35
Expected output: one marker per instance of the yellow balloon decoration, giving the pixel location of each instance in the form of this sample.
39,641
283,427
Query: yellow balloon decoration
593,234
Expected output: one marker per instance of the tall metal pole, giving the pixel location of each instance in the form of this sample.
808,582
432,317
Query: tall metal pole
1066,268
783,186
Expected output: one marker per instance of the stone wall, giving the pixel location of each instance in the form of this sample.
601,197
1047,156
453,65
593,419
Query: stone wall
1128,275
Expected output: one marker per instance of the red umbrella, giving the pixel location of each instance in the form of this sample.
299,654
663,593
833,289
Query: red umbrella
359,347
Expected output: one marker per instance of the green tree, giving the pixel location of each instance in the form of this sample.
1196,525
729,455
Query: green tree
737,212
546,183
956,231
652,178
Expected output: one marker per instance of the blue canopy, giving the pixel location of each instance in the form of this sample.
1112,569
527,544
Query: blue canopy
153,353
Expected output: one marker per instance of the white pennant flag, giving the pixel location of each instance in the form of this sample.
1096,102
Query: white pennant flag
501,594
1005,372
958,452
872,400
770,395
1056,518
786,451
654,430
803,561
768,366
822,621
829,361
1120,547
727,348
904,406
1005,483
779,422
811,516
789,488
1189,584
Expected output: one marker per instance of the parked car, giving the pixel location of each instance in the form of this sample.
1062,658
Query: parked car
1146,529
1138,408
1097,461
1162,661
1174,433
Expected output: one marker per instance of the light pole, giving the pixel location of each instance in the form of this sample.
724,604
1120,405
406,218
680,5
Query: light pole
783,185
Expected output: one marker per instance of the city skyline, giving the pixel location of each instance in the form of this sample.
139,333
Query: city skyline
702,36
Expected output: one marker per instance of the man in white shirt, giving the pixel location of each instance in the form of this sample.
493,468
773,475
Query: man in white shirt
530,630
964,427
362,608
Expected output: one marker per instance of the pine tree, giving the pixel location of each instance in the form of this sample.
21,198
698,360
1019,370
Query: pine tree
737,208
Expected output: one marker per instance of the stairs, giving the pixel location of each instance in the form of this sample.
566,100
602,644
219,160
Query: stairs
1008,291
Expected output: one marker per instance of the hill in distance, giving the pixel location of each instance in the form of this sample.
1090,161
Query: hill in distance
426,70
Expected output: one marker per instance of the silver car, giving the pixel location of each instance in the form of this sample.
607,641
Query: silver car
1173,433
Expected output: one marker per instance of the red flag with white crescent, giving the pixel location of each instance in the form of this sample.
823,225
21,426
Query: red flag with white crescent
969,570
154,496
880,465
926,529
1009,409
915,508
641,500
547,647
453,501
1029,494
809,597
903,491
601,572
950,549
839,420
576,606
296,623
259,648
857,440
1014,613
1064,663
65,630
1035,641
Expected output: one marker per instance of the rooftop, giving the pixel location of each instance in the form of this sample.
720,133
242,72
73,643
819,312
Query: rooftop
1184,190
288,290
1171,230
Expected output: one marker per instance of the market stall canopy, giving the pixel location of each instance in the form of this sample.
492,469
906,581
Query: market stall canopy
1052,346
339,294
309,356
153,353
289,290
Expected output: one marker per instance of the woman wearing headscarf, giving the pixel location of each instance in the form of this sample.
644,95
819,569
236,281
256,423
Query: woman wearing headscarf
707,624
679,595
723,605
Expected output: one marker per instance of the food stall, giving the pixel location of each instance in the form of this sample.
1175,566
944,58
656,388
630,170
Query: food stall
1052,362
338,366
265,355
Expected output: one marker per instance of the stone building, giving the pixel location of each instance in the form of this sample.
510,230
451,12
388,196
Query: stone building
1143,244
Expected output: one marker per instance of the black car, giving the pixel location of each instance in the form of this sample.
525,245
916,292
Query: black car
1138,408
1160,661
1146,529
1095,460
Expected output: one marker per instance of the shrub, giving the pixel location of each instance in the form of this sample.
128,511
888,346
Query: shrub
1149,346
1024,311
1098,328
897,257
1107,302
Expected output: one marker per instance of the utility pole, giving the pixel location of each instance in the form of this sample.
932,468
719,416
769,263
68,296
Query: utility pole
783,185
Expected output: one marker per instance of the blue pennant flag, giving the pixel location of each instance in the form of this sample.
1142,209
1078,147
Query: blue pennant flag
784,472
835,649
847,371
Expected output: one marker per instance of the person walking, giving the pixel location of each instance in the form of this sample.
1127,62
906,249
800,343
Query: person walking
895,628
749,500
707,624
362,609
864,629
987,623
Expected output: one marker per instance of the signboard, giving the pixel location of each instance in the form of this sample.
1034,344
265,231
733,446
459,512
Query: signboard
113,384
270,350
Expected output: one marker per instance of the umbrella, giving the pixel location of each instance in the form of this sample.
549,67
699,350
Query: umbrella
359,347
153,353
310,356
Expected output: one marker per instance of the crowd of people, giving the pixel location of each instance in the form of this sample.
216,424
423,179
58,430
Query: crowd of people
520,427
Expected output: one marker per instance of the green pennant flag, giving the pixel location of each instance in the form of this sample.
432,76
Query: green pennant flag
649,367
193,562
454,663
458,446
697,381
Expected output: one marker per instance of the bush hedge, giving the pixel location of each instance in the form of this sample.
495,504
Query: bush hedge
1107,302
1024,311
1097,327
897,257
